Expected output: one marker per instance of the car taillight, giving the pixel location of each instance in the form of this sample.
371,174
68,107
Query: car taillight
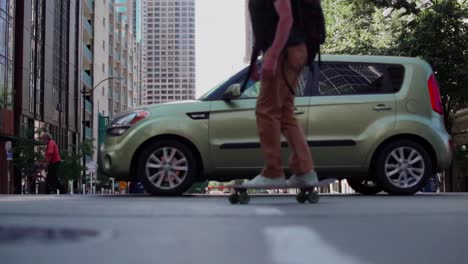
434,92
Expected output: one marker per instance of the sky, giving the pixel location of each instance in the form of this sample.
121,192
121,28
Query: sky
220,41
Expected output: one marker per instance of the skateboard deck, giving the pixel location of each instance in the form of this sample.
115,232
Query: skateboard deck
239,193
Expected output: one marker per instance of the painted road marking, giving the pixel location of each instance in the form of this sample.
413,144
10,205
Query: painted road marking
268,211
301,245
20,198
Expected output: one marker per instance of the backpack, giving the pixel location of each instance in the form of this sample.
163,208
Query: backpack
309,24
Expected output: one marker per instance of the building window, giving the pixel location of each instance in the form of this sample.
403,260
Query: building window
6,54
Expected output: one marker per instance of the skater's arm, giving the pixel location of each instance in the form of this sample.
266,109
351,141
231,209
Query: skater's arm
255,74
283,8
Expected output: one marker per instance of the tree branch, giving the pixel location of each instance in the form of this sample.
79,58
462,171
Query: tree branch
397,4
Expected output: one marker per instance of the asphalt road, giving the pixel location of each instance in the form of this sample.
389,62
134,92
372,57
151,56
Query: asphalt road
270,230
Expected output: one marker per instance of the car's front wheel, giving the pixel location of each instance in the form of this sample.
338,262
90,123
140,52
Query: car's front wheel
364,186
403,167
167,168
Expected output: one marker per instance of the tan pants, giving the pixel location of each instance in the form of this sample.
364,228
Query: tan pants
275,116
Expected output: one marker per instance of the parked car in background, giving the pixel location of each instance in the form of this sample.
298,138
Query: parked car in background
375,121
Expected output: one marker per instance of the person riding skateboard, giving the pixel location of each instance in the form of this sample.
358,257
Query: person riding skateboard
285,54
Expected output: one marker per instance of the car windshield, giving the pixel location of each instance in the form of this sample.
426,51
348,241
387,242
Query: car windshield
212,90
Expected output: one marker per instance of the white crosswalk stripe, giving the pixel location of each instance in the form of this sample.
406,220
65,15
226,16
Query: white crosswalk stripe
268,211
301,245
21,198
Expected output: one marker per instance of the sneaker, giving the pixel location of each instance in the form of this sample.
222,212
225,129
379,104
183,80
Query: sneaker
261,181
307,179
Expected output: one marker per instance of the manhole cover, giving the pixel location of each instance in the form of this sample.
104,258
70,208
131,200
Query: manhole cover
44,234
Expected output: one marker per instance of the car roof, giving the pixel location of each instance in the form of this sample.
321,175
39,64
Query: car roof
372,59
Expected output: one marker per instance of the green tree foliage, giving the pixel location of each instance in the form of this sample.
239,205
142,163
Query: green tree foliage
28,152
435,30
439,34
359,28
72,165
6,98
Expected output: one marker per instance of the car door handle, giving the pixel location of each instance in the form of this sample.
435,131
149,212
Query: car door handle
382,107
298,112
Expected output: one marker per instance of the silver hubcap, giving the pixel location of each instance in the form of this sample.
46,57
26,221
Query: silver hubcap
404,167
166,168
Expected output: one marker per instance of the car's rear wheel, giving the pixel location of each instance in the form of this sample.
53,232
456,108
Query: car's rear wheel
403,167
364,186
167,168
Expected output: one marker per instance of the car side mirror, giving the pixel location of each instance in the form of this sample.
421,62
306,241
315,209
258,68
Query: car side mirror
232,92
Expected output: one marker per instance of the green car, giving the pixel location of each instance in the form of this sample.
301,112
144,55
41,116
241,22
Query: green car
375,121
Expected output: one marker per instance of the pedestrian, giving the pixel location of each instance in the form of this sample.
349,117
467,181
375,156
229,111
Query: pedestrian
52,161
289,34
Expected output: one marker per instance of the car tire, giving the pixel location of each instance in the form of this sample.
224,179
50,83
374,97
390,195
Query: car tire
403,167
167,168
364,187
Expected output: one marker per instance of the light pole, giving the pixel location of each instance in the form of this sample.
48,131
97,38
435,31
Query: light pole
83,125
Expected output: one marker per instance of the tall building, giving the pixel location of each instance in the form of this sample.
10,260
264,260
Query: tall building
140,74
7,26
169,50
111,63
47,70
137,19
124,57
88,74
137,28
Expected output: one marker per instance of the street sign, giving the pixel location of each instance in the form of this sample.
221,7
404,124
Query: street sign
8,146
9,154
91,166
123,185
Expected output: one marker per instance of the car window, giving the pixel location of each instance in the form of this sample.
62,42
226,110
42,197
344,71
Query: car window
351,79
397,75
253,88
211,91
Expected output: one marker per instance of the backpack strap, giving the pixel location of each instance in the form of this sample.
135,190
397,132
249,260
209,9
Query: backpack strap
253,60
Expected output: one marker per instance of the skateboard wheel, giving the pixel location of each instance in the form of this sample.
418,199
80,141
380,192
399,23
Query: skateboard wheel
313,197
244,198
301,197
234,198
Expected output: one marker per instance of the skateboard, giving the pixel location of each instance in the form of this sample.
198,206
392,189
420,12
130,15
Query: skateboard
240,195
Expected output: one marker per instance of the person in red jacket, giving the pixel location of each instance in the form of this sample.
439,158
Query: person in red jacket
52,161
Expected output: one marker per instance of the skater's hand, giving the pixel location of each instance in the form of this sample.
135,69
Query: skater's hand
255,74
270,64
